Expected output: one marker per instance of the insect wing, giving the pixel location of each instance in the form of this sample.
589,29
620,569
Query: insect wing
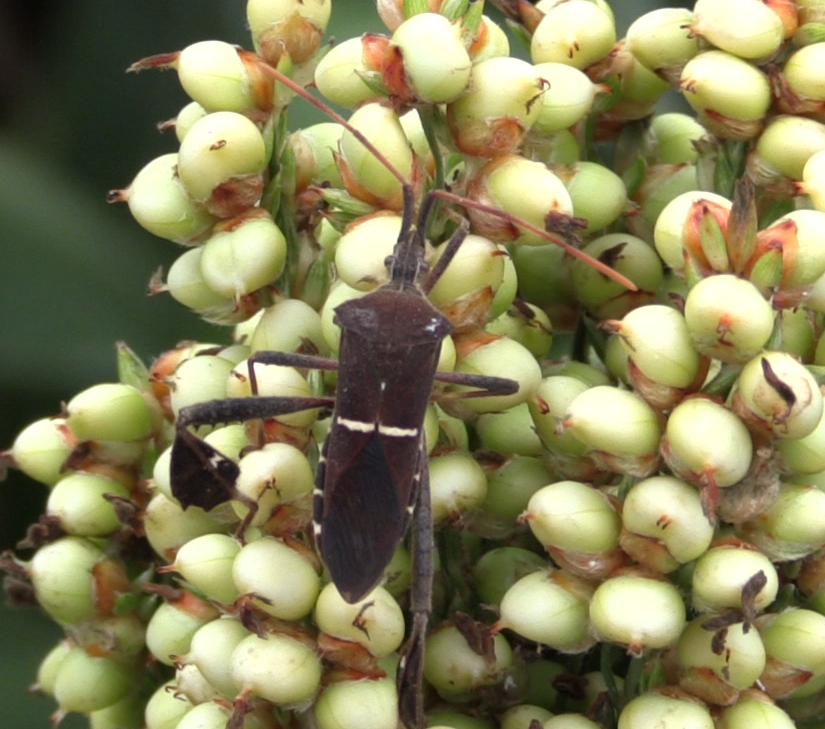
362,516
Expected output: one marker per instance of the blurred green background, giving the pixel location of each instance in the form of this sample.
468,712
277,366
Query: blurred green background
73,271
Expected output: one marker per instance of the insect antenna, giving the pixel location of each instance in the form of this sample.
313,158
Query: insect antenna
409,197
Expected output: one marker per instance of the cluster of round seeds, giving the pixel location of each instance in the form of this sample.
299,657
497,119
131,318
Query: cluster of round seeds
634,538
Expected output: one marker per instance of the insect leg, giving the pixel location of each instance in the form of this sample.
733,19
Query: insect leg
450,250
286,359
411,668
293,359
239,409
487,385
201,475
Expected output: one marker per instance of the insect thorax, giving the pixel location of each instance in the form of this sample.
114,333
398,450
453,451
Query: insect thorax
394,316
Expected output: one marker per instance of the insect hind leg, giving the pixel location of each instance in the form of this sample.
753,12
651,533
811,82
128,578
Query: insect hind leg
487,386
409,680
203,476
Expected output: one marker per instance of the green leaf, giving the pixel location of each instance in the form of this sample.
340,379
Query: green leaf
712,241
730,166
373,81
315,286
767,272
414,7
472,16
519,32
634,175
130,369
810,33
345,203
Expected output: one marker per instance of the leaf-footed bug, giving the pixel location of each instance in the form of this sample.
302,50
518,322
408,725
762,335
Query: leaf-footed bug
372,478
